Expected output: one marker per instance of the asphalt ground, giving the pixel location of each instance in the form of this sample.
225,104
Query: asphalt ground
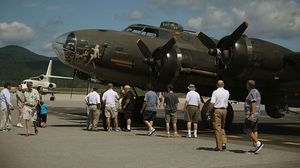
66,143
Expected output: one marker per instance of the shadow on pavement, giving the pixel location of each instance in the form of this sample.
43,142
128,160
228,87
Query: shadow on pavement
206,148
237,151
23,134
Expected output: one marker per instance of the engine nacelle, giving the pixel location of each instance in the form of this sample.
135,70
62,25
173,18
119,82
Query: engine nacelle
276,110
52,86
42,77
250,57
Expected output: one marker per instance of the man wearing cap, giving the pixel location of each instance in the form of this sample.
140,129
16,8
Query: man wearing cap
191,109
128,105
219,103
93,102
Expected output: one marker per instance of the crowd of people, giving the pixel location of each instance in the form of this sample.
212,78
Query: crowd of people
119,108
30,106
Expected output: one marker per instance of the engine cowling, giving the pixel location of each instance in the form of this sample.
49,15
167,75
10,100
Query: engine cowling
52,86
276,110
42,77
250,57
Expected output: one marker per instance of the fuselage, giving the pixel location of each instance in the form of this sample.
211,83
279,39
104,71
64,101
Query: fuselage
120,61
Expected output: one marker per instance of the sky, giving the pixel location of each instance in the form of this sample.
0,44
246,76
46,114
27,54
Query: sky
33,24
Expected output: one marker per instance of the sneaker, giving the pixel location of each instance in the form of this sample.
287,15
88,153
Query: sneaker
224,147
258,148
4,130
151,131
117,129
189,136
195,135
20,125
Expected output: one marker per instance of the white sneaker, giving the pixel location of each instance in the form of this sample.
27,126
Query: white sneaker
151,132
20,125
189,136
195,135
259,145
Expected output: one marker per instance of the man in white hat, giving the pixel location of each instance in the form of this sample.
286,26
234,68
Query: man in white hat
192,109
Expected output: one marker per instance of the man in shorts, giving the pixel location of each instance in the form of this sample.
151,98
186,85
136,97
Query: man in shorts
171,105
149,108
252,114
192,110
31,100
110,97
128,106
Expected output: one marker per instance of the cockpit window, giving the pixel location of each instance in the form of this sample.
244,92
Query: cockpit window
145,31
84,43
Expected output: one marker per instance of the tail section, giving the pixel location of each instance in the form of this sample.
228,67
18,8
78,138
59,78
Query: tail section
49,70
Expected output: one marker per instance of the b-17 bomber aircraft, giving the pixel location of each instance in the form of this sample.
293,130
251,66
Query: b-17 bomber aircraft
169,54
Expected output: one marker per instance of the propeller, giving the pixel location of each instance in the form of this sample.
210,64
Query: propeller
222,50
152,59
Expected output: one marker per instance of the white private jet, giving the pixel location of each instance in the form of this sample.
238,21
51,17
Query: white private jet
45,82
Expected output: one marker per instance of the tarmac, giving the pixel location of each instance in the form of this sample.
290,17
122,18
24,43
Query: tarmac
65,143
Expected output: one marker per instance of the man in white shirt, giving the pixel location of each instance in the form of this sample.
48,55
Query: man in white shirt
93,102
191,110
110,97
6,108
219,103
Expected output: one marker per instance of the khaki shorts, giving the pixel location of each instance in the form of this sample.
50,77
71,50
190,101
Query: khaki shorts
171,116
110,112
192,114
29,114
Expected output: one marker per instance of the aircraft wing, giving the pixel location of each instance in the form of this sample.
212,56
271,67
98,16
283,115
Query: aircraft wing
61,77
60,92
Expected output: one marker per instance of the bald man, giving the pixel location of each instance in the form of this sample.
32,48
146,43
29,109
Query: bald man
219,103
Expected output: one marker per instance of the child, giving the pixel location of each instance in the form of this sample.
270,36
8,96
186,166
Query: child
44,112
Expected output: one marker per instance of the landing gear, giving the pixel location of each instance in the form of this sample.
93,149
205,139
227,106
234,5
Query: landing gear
208,120
276,110
52,98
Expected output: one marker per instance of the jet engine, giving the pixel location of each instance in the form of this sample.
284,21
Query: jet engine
42,77
52,86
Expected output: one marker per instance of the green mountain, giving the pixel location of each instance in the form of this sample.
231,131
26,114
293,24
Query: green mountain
18,63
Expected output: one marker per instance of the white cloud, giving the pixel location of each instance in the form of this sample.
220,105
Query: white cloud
196,23
269,18
47,46
136,15
15,33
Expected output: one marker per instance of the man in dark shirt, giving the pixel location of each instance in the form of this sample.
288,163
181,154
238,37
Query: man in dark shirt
128,106
171,105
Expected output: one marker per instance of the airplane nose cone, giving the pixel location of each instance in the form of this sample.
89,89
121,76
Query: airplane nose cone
65,46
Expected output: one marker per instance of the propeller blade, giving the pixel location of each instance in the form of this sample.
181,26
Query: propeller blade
232,39
162,51
144,49
207,41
